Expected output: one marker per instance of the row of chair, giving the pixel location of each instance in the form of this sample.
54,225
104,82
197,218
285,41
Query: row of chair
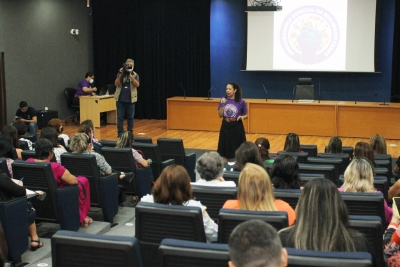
78,249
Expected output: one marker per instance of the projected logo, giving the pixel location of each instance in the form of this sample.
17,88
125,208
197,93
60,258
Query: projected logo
310,34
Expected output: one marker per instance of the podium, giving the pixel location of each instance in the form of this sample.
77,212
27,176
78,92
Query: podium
92,106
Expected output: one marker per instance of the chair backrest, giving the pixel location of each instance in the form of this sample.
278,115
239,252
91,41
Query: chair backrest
306,177
291,196
213,197
177,253
26,154
228,219
348,150
344,156
301,156
384,167
305,258
140,139
23,144
108,143
312,150
69,94
71,248
336,162
380,183
151,151
364,204
371,227
154,222
84,165
61,141
4,167
172,148
231,176
327,170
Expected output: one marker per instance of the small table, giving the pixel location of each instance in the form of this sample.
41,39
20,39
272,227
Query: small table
92,106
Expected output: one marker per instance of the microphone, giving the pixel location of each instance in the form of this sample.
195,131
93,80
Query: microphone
319,91
209,91
184,94
266,93
355,101
294,87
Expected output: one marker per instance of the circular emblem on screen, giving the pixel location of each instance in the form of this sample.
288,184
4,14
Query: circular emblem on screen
230,111
310,34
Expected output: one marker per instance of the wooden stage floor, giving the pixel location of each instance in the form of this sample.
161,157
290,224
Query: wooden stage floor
209,140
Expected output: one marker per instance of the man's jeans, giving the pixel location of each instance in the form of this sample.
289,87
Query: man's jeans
128,110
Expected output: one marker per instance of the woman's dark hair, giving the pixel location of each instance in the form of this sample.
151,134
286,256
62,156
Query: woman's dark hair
84,128
365,150
263,146
88,123
43,148
334,145
238,94
21,128
50,134
285,172
292,143
6,147
173,186
11,131
247,152
89,74
56,124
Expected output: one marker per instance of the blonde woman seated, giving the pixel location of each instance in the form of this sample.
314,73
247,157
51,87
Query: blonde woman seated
210,167
322,222
255,193
359,178
173,188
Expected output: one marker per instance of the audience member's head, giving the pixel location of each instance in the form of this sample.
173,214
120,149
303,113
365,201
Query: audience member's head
255,190
56,124
50,134
247,152
3,248
285,172
263,146
125,140
90,124
378,144
173,186
365,150
334,145
21,128
11,131
210,166
80,143
256,243
43,148
292,143
358,176
23,104
6,147
84,128
319,201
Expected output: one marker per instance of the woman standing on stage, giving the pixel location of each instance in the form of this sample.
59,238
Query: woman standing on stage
232,108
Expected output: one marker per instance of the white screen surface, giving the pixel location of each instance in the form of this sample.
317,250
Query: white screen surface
313,35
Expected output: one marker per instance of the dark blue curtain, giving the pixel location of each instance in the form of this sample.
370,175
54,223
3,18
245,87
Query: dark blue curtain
168,40
396,56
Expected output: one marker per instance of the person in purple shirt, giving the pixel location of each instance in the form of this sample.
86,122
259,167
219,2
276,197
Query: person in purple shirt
233,110
84,87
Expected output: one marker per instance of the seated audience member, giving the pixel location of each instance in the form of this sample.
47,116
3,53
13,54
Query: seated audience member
56,124
21,130
391,239
263,147
11,131
6,151
359,178
256,243
84,88
44,153
334,145
319,201
210,167
255,193
365,150
247,152
292,143
90,124
285,172
51,135
3,248
8,190
126,140
97,147
173,188
81,143
28,116
378,144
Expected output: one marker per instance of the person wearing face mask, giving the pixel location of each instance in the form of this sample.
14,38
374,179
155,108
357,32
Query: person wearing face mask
84,87
127,82
56,124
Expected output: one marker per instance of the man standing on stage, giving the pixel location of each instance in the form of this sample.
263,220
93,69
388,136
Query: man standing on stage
127,82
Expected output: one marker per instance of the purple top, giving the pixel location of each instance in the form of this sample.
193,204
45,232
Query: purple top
58,172
233,109
79,90
136,155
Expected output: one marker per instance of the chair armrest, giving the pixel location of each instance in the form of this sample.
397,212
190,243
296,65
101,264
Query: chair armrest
109,196
167,163
67,199
190,165
144,177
